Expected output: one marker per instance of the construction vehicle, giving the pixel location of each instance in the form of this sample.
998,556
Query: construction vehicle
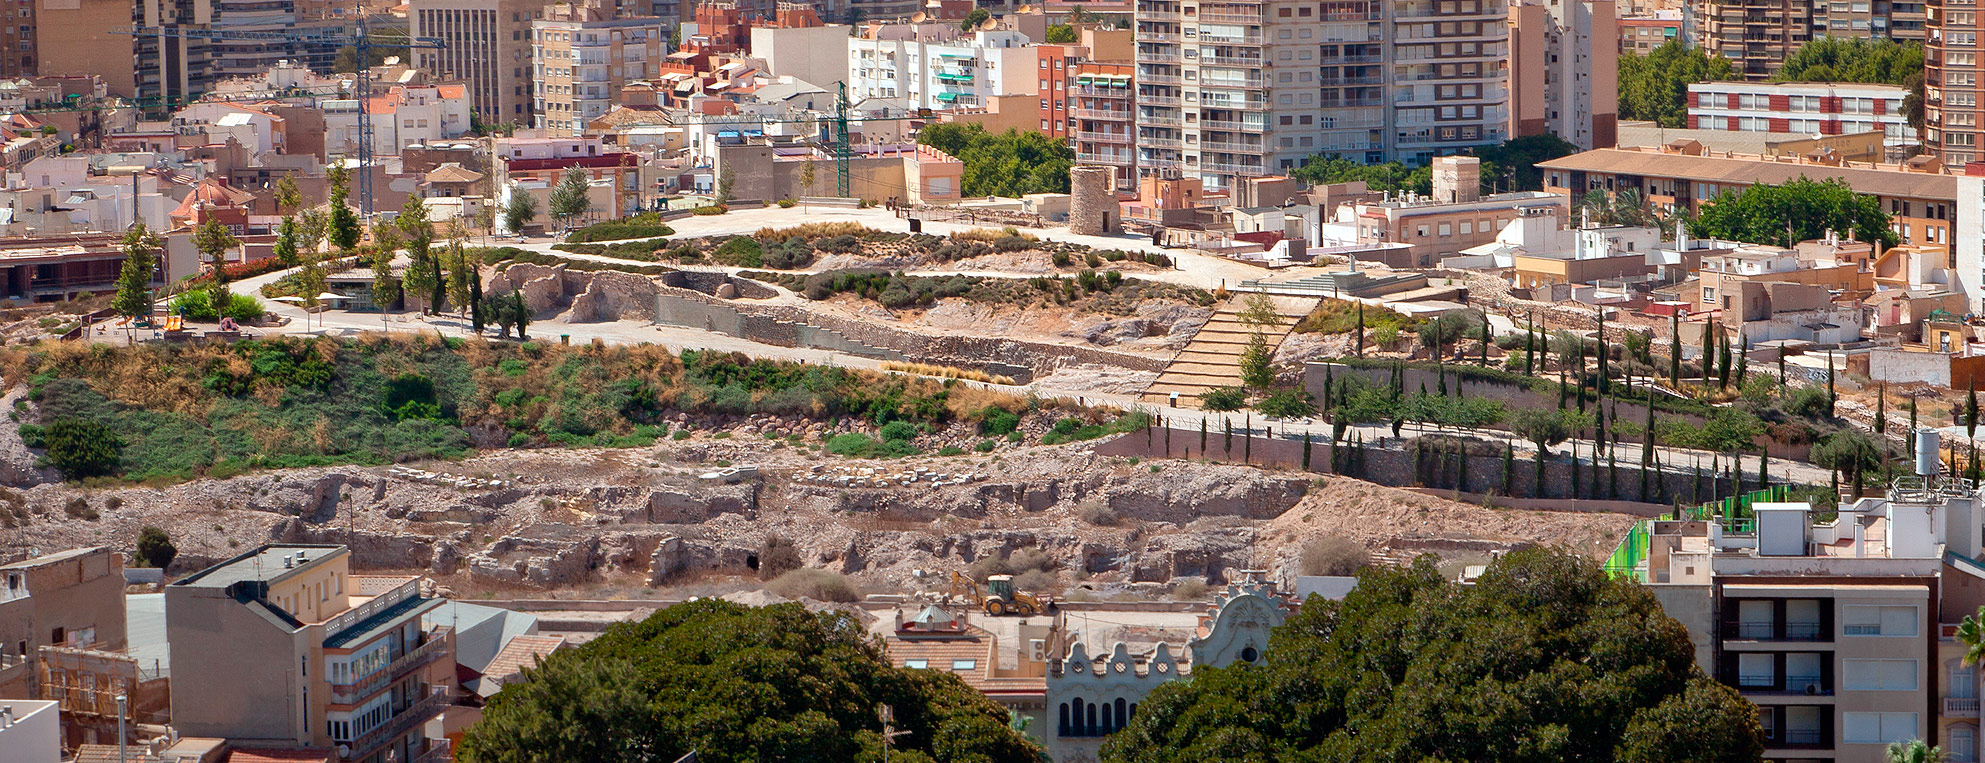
999,597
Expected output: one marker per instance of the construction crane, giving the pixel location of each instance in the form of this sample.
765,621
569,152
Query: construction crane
837,138
361,42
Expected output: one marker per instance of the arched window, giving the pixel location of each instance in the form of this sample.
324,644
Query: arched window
1062,728
1133,713
1091,726
1964,742
1122,717
1075,726
1108,720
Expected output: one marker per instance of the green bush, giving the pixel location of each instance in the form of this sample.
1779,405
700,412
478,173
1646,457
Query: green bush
741,251
994,420
644,225
898,430
856,445
1223,399
985,446
82,448
1287,403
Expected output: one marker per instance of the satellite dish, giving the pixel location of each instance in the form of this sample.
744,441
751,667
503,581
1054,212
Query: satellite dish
920,18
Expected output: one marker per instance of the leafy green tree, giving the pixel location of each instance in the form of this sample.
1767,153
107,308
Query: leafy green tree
1853,59
520,210
413,224
1543,428
212,240
1971,633
1010,164
1655,87
155,548
1257,363
1849,452
568,198
134,279
520,313
1512,164
289,198
385,285
286,245
1624,207
737,684
1320,169
1060,34
343,226
1795,211
1544,658
972,20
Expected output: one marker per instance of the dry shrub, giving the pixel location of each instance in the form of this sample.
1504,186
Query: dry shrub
1190,589
1018,563
1097,513
1333,555
816,584
965,401
947,372
811,231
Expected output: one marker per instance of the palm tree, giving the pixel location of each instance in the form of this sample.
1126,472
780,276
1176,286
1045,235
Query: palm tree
1914,751
1971,633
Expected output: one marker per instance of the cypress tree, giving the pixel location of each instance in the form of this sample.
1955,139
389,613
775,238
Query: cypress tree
1675,351
1485,339
1247,439
1831,397
1708,352
1912,426
1419,462
1612,475
476,317
1461,466
1361,329
1743,358
1537,489
1971,408
1306,451
1723,361
1603,353
1781,371
1202,436
1228,437
1764,466
1530,345
1575,491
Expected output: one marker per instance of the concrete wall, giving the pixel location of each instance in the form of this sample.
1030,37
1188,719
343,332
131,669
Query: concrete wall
250,687
35,736
1890,364
68,597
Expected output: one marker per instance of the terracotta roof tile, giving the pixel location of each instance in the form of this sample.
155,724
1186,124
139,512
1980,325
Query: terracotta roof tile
1747,171
522,652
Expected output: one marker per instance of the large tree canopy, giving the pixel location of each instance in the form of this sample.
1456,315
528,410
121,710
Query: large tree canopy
1011,164
1797,211
1545,658
1853,59
1655,87
736,683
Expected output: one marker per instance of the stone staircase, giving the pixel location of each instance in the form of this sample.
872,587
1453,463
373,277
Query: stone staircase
1213,357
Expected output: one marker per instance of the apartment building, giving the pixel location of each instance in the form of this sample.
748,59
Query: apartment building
284,647
1758,34
1836,627
1456,217
488,47
535,165
581,59
1920,197
1102,120
1456,55
72,598
183,68
1564,71
17,25
941,73
1640,35
1813,108
86,47
1951,87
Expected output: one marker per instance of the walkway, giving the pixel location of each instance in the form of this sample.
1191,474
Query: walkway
1213,358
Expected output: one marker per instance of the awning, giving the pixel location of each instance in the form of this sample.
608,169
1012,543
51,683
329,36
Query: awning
947,97
1084,79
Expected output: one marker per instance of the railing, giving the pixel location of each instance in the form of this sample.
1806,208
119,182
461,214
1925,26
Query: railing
377,604
1755,631
1159,79
1231,60
1802,631
1804,736
1223,124
1102,92
1230,146
1158,57
1143,36
1115,115
1162,164
1105,137
401,722
1237,18
438,751
435,646
1961,707
1248,38
1252,80
1159,100
1757,682
1147,119
1809,685
1238,169
1158,142
1093,158
1341,81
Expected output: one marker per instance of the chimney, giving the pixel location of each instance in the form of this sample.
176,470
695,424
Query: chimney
1457,179
288,561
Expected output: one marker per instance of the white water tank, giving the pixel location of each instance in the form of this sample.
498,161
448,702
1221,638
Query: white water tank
1927,447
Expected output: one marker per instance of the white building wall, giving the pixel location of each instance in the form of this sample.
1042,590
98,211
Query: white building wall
34,735
1970,240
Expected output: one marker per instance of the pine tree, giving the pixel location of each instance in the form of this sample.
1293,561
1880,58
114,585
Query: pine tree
568,198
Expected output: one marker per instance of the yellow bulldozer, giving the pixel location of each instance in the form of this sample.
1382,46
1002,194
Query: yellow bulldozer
999,597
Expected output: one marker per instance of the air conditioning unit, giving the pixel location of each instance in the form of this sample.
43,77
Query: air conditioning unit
1037,650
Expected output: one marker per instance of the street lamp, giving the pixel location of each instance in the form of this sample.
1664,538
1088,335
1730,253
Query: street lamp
121,702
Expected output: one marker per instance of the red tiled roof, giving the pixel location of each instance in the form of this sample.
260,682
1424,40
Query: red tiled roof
522,652
283,756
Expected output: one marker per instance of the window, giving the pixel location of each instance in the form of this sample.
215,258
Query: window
1871,620
964,664
1963,681
1446,230
916,664
1877,728
1963,743
1878,675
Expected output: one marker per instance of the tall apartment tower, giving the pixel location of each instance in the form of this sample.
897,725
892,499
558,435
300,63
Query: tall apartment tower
1450,76
581,58
1564,71
1240,88
187,67
488,47
86,45
1951,114
1756,35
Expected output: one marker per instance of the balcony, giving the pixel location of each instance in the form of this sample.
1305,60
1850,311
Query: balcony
1222,124
1343,81
1232,18
1120,160
1105,137
1253,62
402,722
1232,147
1246,38
1159,100
1158,57
1152,141
1150,119
438,751
1111,115
1160,79
434,648
1249,170
1367,58
1960,707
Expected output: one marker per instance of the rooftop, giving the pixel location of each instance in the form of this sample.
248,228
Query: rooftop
264,564
1747,169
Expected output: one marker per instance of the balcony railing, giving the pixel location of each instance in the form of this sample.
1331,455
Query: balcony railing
1232,147
375,605
1152,119
1116,159
415,714
1115,115
1222,124
1237,169
1157,142
1961,707
1105,137
1765,681
1160,79
1804,736
438,751
1803,632
1158,100
1248,38
436,646
1158,57
1235,18
1248,61
1755,631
